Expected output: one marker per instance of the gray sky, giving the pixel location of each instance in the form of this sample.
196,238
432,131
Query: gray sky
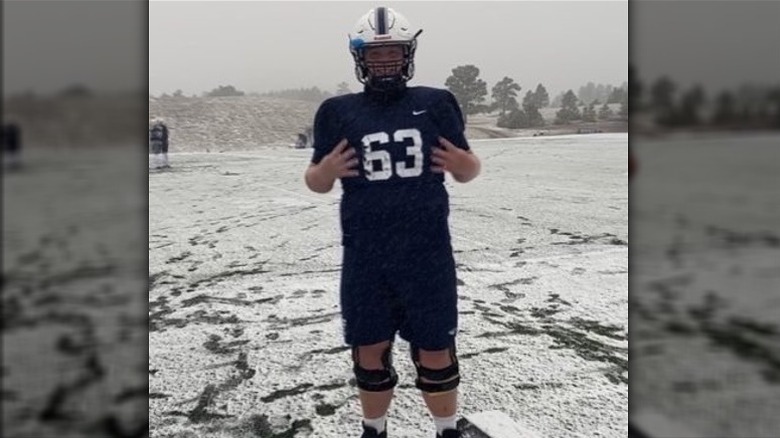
720,44
49,45
263,46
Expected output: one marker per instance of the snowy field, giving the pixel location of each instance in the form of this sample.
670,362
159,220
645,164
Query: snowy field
245,336
74,296
705,276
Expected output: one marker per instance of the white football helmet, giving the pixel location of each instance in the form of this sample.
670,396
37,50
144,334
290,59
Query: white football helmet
383,27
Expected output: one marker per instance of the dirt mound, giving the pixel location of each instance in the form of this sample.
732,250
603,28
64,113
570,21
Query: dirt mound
77,121
200,124
231,123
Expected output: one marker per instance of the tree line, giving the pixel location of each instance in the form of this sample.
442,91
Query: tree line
590,104
471,93
748,106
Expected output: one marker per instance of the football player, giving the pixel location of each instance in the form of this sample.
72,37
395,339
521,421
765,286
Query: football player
391,146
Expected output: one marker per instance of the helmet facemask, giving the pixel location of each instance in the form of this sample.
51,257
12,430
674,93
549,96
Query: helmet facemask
385,75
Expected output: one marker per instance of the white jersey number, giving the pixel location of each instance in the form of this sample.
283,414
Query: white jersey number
383,157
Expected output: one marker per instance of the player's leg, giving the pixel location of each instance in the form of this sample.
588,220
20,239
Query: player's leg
430,327
369,327
376,380
156,150
165,154
438,379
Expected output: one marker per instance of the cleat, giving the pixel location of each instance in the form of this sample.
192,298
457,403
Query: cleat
370,432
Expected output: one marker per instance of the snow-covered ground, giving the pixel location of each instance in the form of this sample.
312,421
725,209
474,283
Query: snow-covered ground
74,301
705,276
245,335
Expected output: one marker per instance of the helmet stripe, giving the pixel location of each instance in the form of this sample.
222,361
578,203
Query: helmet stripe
381,20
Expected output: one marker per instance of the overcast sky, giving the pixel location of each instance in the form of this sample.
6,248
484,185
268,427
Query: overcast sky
719,44
261,46
49,45
264,46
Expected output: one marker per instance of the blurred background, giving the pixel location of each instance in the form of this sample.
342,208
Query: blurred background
704,92
74,286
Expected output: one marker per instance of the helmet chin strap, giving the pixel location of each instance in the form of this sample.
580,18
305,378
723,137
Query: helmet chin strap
387,84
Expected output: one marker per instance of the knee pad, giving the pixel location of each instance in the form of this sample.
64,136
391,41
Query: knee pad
375,380
439,381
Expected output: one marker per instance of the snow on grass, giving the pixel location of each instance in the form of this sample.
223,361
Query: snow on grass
245,326
705,275
73,293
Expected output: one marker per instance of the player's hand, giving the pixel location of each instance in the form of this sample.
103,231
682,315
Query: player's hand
450,158
341,162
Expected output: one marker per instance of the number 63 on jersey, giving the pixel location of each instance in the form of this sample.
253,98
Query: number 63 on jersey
387,167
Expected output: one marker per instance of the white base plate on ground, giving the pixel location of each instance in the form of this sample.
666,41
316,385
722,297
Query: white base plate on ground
493,424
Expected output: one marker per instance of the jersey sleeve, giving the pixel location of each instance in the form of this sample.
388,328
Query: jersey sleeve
325,131
449,119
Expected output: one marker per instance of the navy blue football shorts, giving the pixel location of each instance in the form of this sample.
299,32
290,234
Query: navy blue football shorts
389,287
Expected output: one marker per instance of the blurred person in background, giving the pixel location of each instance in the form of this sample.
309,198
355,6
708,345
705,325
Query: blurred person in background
158,143
12,145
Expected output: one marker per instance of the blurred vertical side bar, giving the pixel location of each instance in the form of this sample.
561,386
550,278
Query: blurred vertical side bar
704,90
74,184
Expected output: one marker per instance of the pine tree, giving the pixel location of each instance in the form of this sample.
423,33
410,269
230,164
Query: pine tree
504,95
569,110
469,90
605,113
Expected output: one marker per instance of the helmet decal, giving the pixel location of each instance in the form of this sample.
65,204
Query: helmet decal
381,21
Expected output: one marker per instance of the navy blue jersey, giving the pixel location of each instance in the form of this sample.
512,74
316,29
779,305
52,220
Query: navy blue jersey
393,138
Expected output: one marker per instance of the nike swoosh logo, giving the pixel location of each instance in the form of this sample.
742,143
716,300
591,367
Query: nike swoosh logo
417,113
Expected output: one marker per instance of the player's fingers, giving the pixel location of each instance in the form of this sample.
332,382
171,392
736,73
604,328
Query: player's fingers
351,163
350,173
335,153
438,160
341,146
349,153
437,169
446,143
438,152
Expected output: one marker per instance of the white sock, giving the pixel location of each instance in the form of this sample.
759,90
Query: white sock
376,423
443,423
